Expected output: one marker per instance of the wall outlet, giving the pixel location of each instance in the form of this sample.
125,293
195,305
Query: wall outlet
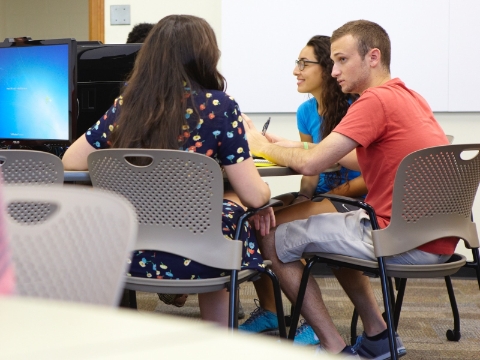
119,14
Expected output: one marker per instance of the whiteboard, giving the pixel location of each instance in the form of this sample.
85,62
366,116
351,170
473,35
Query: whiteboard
261,39
464,59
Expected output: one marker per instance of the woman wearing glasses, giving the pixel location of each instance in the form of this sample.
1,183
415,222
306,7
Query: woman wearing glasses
175,99
316,118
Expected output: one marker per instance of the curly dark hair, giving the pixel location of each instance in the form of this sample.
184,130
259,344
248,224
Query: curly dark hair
139,33
334,103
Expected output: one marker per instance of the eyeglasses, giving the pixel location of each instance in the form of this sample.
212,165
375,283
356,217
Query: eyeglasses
301,63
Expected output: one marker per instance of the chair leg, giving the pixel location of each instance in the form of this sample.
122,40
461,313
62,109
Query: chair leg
132,299
278,303
388,309
401,284
301,294
288,318
353,327
233,301
392,290
475,264
455,334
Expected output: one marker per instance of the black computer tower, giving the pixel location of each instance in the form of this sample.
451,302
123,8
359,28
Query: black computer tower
102,70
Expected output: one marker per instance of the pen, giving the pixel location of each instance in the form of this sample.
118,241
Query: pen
265,127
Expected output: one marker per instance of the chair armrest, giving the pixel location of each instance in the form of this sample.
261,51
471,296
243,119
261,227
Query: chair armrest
347,200
252,211
270,203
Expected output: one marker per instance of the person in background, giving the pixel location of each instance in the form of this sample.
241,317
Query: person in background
316,118
139,32
186,109
386,123
7,278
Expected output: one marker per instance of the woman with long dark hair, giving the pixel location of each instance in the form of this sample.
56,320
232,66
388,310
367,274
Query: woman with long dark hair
175,99
318,116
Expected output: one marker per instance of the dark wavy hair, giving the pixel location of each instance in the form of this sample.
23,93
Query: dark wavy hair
333,102
180,51
139,33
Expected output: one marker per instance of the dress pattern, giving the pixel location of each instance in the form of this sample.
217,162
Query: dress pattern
214,127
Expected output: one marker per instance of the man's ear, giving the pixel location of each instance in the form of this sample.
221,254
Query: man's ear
375,57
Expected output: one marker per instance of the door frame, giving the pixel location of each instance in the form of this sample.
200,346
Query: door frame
96,20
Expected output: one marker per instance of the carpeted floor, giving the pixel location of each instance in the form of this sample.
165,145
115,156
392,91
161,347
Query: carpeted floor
425,318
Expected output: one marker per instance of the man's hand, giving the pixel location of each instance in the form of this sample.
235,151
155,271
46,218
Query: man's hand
255,138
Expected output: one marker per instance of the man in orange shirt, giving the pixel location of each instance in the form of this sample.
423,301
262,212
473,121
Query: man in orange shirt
385,124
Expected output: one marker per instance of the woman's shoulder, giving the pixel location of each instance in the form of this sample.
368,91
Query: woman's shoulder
211,95
215,104
308,106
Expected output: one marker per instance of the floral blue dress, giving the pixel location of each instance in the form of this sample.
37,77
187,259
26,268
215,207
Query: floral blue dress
217,131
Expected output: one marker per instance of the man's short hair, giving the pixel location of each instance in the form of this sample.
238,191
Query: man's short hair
369,35
139,33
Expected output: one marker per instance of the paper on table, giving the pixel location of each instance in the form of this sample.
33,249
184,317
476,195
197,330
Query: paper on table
263,162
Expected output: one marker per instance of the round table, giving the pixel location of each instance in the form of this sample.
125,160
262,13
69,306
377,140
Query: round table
47,329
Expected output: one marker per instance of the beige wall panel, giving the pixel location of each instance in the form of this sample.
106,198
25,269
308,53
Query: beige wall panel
153,10
2,19
43,19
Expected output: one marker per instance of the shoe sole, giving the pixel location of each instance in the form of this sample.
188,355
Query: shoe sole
273,332
387,356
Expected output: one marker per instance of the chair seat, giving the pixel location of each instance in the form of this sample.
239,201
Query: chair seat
189,286
399,271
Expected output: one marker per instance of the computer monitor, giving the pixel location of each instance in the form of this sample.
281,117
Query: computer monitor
38,102
102,72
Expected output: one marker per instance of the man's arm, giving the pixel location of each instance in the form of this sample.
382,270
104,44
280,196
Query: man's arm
350,161
313,161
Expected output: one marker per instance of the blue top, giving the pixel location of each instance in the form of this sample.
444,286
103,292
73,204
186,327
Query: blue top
308,123
219,133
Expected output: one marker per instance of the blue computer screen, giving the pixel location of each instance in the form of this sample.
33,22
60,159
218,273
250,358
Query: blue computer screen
34,92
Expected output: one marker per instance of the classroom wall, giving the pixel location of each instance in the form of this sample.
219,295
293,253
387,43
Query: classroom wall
2,20
428,54
53,19
44,19
153,10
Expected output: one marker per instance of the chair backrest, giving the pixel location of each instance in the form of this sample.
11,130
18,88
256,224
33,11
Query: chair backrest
178,199
433,196
74,246
28,167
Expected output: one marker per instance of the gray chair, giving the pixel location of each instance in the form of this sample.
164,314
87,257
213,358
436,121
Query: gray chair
475,263
21,167
433,195
69,243
178,197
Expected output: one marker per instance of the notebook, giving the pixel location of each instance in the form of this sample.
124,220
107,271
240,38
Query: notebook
260,162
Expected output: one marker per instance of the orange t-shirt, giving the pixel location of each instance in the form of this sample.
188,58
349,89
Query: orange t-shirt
389,122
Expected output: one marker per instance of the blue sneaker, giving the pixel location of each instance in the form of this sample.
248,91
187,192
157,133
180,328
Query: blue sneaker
379,349
260,321
305,335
